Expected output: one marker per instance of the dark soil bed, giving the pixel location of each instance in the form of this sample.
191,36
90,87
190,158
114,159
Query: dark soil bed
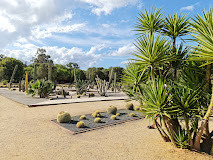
106,121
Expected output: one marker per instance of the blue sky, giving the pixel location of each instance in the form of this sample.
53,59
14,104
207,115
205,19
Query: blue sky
92,33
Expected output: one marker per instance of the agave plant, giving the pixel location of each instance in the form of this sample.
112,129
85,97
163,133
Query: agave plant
181,139
41,87
81,86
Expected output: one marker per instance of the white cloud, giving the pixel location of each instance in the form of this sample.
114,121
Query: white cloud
126,50
62,55
107,6
43,32
189,8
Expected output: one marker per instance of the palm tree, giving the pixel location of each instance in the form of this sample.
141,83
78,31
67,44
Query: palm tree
149,21
203,34
152,52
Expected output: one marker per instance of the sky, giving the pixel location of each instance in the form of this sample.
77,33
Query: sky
92,33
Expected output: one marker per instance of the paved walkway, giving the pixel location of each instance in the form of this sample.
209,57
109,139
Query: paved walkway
27,100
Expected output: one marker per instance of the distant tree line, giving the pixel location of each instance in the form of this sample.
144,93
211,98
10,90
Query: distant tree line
59,73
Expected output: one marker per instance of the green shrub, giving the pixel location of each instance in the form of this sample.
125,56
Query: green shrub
97,120
129,106
50,98
112,110
63,117
83,117
13,89
118,114
96,114
80,124
78,96
113,117
132,115
84,94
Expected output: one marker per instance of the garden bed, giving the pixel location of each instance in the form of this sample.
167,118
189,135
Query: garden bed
106,121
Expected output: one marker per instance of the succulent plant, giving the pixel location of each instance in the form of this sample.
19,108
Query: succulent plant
78,96
80,124
112,110
97,120
132,115
96,114
129,106
118,114
63,117
113,117
83,117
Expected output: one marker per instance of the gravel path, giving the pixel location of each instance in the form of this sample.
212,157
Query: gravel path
26,133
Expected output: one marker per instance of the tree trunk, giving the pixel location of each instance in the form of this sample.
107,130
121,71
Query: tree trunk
204,123
208,78
162,132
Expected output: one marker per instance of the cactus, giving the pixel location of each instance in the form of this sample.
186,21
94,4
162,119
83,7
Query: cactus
63,117
97,120
80,124
96,114
132,115
112,110
115,78
83,117
118,114
19,86
102,86
113,117
129,106
26,82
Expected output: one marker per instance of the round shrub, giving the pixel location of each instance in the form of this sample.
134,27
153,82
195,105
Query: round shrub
50,98
96,114
97,120
63,117
113,117
84,94
83,117
13,89
132,115
129,106
112,110
118,114
80,124
78,96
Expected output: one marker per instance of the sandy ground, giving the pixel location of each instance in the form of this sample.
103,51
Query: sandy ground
26,133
